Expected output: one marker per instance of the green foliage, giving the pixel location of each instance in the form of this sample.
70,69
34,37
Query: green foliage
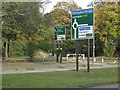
109,49
98,46
21,20
70,47
18,48
106,26
9,28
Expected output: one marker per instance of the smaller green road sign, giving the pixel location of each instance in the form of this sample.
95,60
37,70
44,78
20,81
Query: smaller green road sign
60,32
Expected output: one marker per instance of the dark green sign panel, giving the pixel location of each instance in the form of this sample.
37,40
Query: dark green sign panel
82,24
60,32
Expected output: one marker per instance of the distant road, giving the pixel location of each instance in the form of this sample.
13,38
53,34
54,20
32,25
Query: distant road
54,69
36,67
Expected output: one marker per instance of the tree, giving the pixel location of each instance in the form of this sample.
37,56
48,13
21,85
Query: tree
9,27
22,20
106,25
61,16
32,28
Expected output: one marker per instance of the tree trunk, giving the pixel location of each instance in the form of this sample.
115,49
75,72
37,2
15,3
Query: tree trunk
6,50
106,41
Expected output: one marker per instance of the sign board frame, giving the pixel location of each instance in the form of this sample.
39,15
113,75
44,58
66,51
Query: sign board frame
60,33
82,25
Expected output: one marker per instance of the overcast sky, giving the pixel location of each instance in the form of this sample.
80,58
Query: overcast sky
80,3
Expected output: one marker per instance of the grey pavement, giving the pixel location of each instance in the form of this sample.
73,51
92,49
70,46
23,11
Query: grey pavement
108,86
33,71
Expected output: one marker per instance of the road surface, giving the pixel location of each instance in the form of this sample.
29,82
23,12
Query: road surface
17,71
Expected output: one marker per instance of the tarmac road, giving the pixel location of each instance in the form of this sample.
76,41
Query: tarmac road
54,69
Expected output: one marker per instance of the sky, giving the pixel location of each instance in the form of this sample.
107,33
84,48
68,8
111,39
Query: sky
80,3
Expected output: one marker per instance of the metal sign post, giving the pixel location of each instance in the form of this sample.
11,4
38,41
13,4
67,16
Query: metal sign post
60,48
82,28
57,53
77,62
88,56
59,36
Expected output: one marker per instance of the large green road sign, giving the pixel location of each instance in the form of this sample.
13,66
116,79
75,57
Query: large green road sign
60,32
82,24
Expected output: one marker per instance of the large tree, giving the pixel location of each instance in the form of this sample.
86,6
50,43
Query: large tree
22,20
106,26
9,25
61,15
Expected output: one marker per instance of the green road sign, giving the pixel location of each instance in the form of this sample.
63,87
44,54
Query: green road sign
60,32
82,24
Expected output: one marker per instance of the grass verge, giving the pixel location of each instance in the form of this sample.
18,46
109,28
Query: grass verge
61,79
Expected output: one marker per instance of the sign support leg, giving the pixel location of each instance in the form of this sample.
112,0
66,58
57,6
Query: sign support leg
60,54
57,53
77,63
88,58
93,50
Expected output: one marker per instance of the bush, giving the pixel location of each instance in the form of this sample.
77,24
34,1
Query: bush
17,48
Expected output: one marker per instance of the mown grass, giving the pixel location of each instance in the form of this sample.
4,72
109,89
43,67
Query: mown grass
61,79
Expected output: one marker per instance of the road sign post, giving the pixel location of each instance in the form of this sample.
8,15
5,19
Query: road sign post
77,62
57,53
60,54
88,56
82,28
59,36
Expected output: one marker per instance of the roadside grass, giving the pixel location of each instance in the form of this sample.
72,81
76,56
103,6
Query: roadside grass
61,79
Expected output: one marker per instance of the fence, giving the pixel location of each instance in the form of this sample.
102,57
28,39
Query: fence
74,55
